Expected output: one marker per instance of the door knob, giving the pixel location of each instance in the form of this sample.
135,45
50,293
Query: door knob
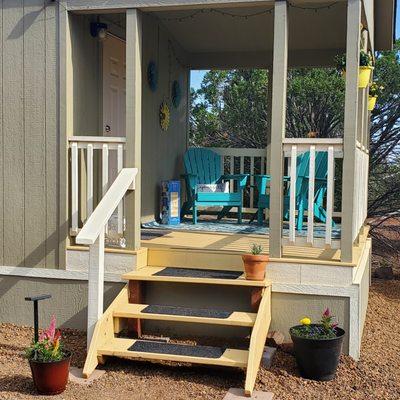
108,128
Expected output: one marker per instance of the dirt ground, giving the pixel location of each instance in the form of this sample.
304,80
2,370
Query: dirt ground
375,376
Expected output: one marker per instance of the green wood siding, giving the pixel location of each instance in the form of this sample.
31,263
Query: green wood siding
29,156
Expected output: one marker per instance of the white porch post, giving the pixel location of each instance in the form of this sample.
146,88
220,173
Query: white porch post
95,284
278,124
133,122
269,118
350,127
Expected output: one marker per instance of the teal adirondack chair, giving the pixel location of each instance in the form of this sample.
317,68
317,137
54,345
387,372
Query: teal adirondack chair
302,179
203,166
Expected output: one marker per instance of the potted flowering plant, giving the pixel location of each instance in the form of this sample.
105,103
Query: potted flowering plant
317,347
374,91
255,263
364,71
49,361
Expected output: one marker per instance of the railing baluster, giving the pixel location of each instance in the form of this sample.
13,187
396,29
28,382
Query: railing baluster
231,171
251,182
292,207
105,169
74,187
105,174
311,191
120,162
89,180
329,196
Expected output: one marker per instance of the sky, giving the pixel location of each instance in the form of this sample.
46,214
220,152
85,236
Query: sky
197,76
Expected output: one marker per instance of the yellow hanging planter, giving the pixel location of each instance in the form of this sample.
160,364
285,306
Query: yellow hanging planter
371,102
364,76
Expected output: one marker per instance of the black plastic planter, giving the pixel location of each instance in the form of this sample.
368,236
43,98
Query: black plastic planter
318,359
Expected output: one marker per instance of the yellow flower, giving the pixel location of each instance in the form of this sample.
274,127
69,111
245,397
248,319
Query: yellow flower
305,321
56,346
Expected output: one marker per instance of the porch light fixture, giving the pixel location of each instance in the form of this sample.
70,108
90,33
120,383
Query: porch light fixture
98,29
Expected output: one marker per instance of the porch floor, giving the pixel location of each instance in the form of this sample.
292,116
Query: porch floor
237,243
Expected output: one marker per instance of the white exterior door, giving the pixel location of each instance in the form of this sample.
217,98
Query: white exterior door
114,94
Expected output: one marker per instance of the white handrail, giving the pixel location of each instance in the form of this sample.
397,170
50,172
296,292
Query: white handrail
100,216
93,234
97,139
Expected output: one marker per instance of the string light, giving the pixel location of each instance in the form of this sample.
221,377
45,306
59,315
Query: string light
244,16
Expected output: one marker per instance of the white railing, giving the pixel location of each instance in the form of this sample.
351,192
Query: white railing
360,190
93,234
111,154
292,148
243,161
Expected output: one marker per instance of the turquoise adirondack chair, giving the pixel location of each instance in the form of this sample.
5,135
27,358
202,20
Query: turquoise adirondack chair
203,166
302,179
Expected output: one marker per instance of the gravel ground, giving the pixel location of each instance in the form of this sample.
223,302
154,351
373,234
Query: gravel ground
375,376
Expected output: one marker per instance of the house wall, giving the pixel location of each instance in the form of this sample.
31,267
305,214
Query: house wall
68,302
162,152
86,77
29,136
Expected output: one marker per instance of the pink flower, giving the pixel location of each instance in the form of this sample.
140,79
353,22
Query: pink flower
52,328
326,313
49,333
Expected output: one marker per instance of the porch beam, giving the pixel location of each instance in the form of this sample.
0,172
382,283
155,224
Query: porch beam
350,128
133,123
278,122
154,5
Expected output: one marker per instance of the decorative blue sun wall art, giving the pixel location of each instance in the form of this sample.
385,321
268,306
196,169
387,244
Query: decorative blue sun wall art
176,94
152,76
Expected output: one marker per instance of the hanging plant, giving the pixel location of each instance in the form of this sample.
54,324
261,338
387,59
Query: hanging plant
152,76
364,70
164,116
176,94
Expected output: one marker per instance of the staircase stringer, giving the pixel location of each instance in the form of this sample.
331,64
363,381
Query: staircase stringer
104,331
257,340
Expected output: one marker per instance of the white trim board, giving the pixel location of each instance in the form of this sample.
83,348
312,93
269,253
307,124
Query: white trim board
54,274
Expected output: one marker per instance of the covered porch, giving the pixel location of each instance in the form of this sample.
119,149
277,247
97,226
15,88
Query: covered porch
274,36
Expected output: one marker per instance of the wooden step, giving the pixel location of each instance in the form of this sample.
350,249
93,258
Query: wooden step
150,274
236,318
119,347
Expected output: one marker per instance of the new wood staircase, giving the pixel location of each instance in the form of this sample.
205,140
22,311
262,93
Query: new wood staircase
130,307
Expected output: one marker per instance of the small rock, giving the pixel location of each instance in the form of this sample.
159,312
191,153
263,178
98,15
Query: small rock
275,339
267,357
384,273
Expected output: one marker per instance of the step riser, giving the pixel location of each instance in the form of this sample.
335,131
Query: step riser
195,259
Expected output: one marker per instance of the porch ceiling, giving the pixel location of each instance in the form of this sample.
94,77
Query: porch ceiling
213,38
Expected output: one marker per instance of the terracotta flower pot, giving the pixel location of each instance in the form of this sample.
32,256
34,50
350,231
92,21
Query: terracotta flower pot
51,378
254,266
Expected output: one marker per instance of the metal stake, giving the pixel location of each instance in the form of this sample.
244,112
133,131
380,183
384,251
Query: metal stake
35,300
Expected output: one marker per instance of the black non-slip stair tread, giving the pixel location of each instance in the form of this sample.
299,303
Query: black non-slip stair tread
177,349
186,311
198,273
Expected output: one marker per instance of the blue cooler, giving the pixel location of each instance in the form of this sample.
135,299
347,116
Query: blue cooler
170,205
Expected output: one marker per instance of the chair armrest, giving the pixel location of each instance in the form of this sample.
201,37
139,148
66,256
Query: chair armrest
240,178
